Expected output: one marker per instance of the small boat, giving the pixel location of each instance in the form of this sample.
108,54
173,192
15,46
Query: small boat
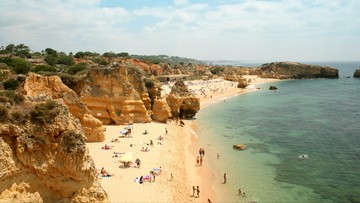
303,156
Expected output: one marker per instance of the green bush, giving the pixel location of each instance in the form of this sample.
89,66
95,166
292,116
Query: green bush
100,61
51,59
44,68
66,60
45,113
68,80
11,84
149,83
19,116
12,97
19,65
76,68
72,141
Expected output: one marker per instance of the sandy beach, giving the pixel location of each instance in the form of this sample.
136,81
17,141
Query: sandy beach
175,154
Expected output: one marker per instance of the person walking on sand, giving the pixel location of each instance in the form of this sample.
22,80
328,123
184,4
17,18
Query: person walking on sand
194,189
201,160
225,179
218,156
198,191
166,131
197,160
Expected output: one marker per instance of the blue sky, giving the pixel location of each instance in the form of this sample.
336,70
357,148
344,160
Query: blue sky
242,30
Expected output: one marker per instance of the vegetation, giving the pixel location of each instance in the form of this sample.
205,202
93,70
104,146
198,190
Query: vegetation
72,141
20,66
77,68
45,113
11,96
4,113
149,83
11,84
44,68
19,115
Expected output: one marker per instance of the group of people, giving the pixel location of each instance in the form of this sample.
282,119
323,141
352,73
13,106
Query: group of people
197,191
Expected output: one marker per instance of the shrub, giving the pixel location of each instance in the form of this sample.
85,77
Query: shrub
68,80
45,113
19,65
44,68
76,68
19,116
149,83
11,96
4,113
100,61
11,84
72,141
66,60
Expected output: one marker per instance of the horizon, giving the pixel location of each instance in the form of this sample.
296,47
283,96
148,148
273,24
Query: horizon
235,30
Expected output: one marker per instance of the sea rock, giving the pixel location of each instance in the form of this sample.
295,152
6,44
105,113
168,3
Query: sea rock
40,88
46,160
161,111
239,146
112,95
182,102
273,87
242,83
357,73
285,70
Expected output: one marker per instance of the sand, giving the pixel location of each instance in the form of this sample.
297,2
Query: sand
175,154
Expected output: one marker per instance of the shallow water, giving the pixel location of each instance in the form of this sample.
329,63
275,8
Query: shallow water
320,118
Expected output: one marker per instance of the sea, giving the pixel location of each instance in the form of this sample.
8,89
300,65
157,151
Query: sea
318,119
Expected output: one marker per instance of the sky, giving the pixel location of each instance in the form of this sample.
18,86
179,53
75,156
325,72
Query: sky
240,30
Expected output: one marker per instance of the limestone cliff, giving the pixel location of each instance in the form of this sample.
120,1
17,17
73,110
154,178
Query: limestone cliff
111,95
161,111
182,102
357,73
43,155
286,70
38,88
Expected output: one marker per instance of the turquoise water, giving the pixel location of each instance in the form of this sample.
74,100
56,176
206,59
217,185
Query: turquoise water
320,118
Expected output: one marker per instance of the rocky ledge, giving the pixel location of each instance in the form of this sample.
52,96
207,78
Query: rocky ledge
357,73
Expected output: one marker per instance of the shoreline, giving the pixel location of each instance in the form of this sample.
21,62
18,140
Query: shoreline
175,154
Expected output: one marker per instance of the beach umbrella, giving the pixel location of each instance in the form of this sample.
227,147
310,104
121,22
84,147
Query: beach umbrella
126,158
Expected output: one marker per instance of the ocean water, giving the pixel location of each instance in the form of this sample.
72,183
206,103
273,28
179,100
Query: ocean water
316,117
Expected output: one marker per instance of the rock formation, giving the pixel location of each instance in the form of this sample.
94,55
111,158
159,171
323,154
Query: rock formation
161,111
182,103
111,97
38,88
357,73
273,87
286,70
242,83
43,156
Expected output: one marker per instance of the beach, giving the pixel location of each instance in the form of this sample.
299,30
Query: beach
174,154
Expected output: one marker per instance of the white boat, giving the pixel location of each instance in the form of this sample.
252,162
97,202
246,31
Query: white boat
303,156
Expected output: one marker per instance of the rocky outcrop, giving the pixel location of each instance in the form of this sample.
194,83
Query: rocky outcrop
182,103
39,88
357,73
44,158
287,70
161,111
242,83
273,87
112,96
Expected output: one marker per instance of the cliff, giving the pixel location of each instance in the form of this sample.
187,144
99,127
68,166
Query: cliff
38,88
43,155
357,73
287,70
182,103
111,95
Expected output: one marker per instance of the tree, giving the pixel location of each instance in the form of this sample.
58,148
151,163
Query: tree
66,60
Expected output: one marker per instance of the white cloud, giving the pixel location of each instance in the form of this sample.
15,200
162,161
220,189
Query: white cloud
298,29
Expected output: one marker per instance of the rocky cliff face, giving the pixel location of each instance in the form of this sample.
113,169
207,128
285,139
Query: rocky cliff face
161,111
357,73
182,103
285,70
38,88
43,156
111,95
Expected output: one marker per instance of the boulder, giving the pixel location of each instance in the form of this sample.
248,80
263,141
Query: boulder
273,87
357,73
239,146
182,102
40,88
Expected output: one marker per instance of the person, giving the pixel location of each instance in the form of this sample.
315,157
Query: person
243,194
209,201
240,191
141,180
151,143
182,123
225,179
104,173
201,160
171,177
138,162
197,191
146,132
218,156
194,189
166,131
197,160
